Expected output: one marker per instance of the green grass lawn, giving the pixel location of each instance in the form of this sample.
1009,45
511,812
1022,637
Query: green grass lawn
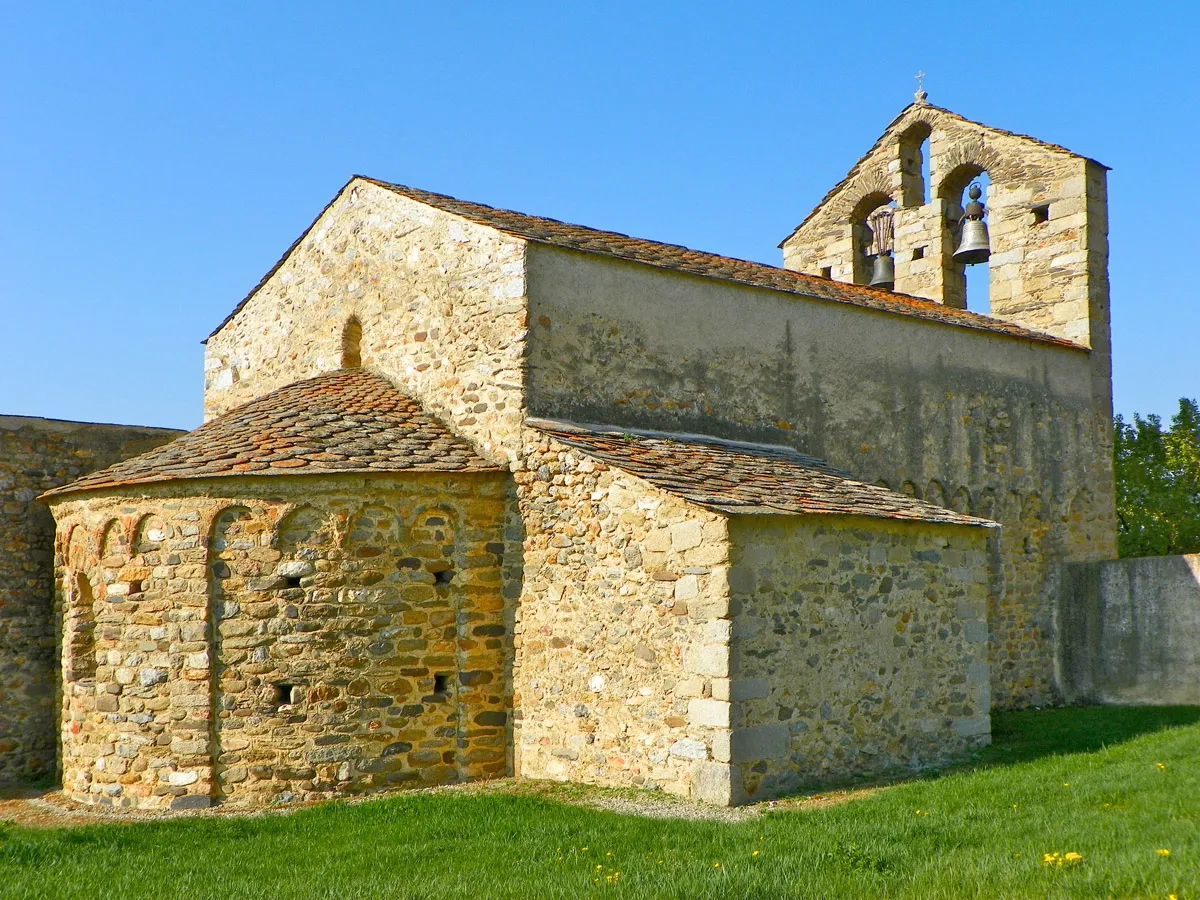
1116,786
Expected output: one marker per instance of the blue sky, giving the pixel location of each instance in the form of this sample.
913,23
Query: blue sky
157,158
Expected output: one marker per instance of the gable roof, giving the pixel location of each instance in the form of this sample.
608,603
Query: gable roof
857,167
351,420
563,235
745,479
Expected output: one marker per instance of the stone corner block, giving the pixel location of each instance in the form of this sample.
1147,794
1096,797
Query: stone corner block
759,742
712,713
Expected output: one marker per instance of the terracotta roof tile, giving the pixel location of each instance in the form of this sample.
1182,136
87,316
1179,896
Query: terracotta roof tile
741,479
351,420
554,233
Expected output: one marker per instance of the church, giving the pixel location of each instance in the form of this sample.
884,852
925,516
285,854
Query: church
480,493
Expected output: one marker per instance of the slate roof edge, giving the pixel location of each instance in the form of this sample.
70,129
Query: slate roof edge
55,494
47,423
730,509
543,424
890,302
854,169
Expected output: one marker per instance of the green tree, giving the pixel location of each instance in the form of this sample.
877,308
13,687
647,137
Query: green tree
1158,483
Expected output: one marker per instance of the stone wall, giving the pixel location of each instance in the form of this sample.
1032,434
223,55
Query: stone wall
997,426
438,301
622,643
859,648
1131,631
35,456
261,640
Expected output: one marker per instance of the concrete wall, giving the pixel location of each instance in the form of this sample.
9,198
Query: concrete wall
859,648
1001,427
189,607
1130,631
35,456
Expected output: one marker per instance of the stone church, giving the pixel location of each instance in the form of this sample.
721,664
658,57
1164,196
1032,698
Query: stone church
481,493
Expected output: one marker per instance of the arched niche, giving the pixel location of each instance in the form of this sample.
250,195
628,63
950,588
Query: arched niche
352,343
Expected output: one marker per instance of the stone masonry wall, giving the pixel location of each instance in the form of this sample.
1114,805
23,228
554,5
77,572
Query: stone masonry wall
250,641
859,648
622,644
35,456
440,302
987,424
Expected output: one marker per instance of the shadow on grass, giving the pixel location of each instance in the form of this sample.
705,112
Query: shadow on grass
1026,735
1029,734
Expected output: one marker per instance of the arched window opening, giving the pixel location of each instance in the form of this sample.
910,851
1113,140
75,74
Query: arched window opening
352,344
966,286
870,215
914,164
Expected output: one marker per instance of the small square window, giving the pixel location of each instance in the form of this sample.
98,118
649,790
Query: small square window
1041,214
827,272
918,253
285,694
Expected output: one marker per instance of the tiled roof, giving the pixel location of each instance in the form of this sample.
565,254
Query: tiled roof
351,420
887,133
554,233
741,479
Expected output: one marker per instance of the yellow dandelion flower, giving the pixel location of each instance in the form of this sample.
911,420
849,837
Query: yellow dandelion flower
716,865
583,849
1073,857
1066,784
755,853
1164,852
660,862
1162,767
1172,897
598,868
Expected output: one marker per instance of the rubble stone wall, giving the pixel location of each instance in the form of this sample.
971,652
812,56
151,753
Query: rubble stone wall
37,455
260,640
859,649
623,639
438,300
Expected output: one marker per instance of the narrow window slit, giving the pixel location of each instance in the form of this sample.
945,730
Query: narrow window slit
827,272
291,581
1041,214
441,683
918,253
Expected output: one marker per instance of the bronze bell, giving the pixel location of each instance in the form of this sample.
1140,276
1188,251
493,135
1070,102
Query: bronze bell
883,272
974,246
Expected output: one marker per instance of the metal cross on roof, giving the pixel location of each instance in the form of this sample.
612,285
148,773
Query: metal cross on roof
921,93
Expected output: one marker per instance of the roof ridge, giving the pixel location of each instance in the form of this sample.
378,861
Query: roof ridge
679,258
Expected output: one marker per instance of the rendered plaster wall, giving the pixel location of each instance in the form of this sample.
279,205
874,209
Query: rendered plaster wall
440,302
1131,631
997,426
250,641
35,456
622,643
859,649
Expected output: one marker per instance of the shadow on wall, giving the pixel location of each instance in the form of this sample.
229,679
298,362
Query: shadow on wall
1130,631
